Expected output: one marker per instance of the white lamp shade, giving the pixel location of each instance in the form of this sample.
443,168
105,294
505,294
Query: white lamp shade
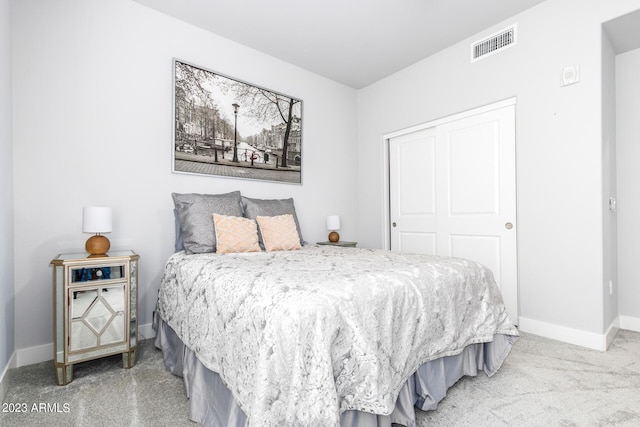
96,219
333,222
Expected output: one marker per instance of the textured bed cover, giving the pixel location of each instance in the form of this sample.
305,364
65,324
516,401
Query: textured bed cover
302,336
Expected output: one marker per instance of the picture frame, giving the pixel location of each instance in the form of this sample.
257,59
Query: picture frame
226,127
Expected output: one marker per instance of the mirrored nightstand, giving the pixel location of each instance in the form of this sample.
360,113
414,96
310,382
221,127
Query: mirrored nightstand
95,309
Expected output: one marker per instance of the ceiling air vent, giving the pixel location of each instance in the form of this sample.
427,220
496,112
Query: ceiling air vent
494,43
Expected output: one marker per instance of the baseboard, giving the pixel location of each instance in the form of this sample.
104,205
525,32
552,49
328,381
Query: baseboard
146,332
43,353
612,332
4,378
568,335
35,354
630,323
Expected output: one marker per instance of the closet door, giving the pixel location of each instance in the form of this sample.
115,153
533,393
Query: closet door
412,178
453,193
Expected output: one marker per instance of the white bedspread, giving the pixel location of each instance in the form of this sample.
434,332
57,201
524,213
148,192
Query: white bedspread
301,336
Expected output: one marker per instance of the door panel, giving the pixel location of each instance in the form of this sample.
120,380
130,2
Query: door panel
412,178
422,243
473,172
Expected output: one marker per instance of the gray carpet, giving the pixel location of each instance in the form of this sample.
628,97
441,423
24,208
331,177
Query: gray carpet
550,383
542,383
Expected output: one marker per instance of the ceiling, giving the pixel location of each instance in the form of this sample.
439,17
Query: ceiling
354,42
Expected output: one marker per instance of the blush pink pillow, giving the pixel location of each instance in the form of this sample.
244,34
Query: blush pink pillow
279,233
235,234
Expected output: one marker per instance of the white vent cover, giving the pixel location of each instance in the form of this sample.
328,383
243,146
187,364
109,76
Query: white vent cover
494,43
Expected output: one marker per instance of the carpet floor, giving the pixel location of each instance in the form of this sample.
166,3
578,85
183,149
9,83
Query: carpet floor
542,383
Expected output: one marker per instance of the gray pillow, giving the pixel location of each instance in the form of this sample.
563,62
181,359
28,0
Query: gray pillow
178,244
270,207
195,213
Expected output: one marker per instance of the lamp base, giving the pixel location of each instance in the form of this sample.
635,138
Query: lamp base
334,237
97,245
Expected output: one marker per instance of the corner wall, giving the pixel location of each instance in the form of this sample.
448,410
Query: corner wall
7,302
628,138
610,291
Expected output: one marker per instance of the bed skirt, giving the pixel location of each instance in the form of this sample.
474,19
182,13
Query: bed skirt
211,403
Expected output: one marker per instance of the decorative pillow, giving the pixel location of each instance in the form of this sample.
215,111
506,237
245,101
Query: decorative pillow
235,234
194,213
270,207
279,233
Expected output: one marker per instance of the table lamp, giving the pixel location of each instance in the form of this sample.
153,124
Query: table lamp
96,220
333,224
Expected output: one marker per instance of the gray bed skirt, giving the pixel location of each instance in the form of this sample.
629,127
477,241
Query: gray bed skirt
211,403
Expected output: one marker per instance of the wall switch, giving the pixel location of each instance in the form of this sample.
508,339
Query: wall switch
610,287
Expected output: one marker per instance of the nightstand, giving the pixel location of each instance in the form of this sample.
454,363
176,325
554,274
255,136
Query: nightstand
340,243
95,309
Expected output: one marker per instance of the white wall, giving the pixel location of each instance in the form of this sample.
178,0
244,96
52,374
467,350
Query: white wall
628,143
559,152
6,197
92,126
610,218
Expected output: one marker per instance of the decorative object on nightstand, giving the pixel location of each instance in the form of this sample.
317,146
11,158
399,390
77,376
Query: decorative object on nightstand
333,225
95,310
341,244
96,220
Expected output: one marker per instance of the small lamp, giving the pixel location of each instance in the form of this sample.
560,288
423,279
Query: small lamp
333,224
96,220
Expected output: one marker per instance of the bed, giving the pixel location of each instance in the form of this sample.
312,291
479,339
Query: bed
317,335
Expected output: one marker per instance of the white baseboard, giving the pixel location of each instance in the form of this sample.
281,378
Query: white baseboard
42,353
146,332
611,333
568,335
35,354
4,378
630,323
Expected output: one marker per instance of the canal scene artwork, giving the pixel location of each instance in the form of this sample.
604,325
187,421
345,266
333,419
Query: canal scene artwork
226,127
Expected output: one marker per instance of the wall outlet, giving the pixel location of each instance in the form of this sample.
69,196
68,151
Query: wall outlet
610,287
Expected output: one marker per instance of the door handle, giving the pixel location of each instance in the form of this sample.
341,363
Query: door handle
508,226
393,224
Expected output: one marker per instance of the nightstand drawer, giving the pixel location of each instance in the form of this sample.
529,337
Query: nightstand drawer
87,274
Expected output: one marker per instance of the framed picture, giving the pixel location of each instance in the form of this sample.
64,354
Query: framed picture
229,128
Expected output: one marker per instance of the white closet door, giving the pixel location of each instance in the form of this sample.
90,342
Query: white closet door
413,181
459,198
